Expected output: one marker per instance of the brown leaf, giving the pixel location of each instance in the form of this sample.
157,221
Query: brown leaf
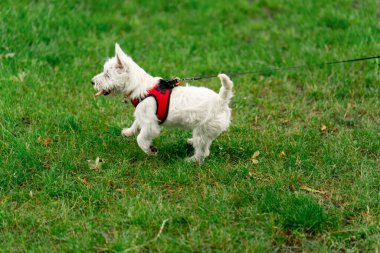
47,141
282,154
43,141
84,180
350,218
323,128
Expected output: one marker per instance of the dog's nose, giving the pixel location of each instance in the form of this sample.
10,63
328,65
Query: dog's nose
92,82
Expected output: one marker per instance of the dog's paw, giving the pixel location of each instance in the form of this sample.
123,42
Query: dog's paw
194,159
127,132
190,141
152,151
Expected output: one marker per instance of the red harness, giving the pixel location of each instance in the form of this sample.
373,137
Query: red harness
161,95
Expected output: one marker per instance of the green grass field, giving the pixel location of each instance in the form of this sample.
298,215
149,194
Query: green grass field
316,186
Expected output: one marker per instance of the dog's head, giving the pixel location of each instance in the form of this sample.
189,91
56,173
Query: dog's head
116,74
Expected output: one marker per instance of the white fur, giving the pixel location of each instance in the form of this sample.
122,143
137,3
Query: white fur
197,108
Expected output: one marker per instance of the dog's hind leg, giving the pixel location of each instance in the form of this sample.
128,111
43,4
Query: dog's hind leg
201,142
127,132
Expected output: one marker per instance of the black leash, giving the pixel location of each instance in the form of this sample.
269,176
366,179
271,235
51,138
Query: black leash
172,83
273,69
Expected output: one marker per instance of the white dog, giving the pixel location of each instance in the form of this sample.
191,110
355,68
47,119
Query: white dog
197,108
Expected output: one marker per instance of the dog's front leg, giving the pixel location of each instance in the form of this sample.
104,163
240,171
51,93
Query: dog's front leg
127,132
145,137
148,123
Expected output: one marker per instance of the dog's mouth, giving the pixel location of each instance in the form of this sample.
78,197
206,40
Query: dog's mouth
103,92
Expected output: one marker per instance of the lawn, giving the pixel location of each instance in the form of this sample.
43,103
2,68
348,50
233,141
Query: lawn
315,185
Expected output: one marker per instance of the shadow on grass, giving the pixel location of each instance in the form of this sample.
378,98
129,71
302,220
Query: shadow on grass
296,211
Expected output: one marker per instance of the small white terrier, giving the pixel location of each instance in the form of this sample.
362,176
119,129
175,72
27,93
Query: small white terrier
197,108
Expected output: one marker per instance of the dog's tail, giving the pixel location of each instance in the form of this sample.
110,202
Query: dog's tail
225,92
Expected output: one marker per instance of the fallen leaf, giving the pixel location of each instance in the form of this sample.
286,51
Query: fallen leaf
84,180
254,161
254,156
47,141
306,188
323,128
96,165
7,55
350,218
282,154
43,141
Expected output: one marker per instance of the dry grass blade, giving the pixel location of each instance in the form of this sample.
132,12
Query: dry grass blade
308,189
150,241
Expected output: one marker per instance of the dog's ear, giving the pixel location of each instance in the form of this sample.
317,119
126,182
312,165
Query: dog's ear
121,57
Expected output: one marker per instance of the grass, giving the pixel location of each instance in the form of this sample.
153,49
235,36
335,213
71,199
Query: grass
325,120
